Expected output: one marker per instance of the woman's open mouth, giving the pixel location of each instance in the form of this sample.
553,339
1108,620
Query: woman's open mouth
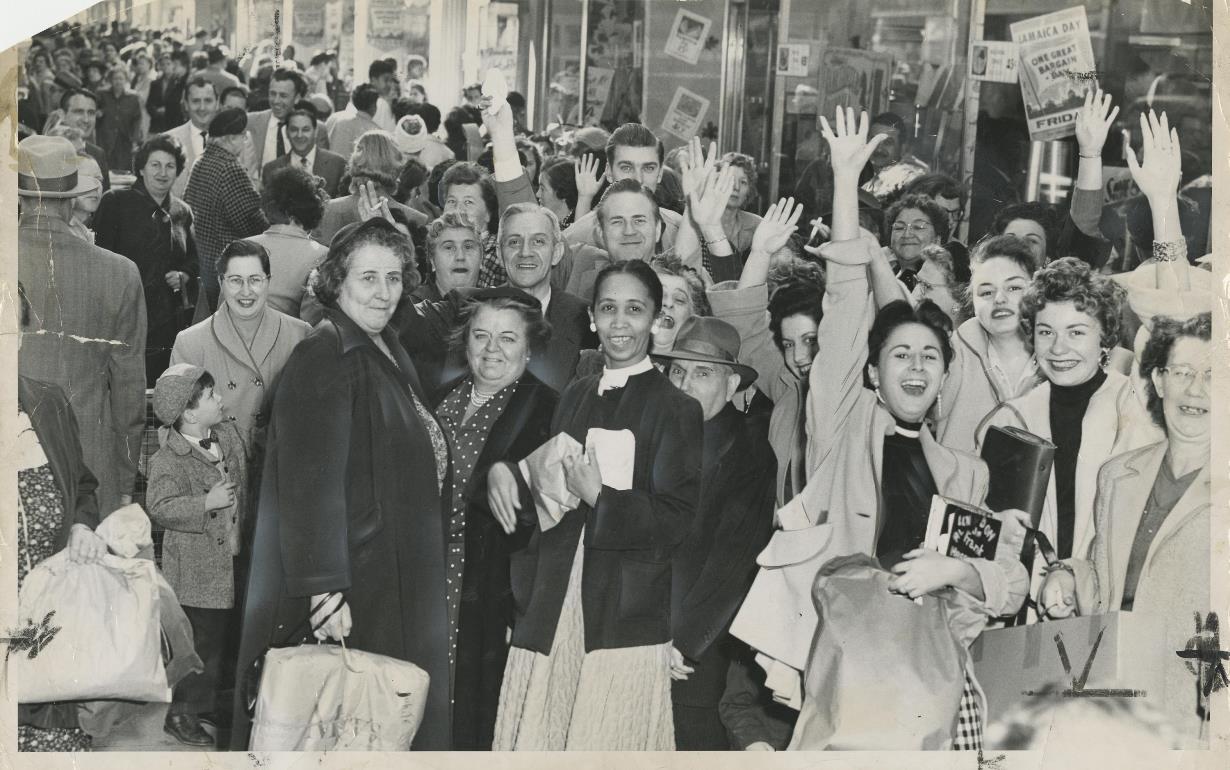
914,387
1193,411
1065,365
999,313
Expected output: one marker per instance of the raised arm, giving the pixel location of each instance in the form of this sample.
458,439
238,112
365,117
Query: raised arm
705,195
1158,177
512,184
588,180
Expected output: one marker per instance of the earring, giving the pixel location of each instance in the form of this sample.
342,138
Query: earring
593,327
880,396
1104,359
939,405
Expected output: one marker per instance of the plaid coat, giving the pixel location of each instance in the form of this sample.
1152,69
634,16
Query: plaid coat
225,207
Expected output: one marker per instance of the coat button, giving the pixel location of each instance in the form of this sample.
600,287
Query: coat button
213,514
219,541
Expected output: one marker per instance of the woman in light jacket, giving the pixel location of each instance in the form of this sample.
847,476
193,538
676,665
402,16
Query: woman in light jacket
1150,550
875,465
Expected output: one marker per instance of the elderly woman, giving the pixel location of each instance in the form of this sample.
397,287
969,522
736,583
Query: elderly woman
58,509
875,465
943,279
467,188
153,228
454,253
1150,550
350,527
245,343
590,662
913,223
294,203
1090,412
496,412
992,362
373,169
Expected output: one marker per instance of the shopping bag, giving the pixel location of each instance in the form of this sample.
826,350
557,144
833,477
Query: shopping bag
321,697
89,632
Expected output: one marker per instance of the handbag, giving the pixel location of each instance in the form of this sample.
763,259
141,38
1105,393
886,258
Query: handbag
324,697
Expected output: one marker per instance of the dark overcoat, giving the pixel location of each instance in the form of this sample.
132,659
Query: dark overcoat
350,502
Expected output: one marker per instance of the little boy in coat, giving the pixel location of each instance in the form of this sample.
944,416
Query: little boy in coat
196,493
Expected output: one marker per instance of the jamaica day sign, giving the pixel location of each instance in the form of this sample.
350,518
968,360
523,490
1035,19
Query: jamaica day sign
1056,68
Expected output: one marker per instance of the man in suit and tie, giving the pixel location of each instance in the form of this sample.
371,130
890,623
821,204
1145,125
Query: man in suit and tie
301,128
87,317
267,128
80,108
200,104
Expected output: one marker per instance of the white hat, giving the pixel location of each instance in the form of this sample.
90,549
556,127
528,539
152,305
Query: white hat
47,168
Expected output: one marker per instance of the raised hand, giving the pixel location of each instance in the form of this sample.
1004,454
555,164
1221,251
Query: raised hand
585,169
708,205
1093,122
695,167
777,226
848,144
372,204
1158,175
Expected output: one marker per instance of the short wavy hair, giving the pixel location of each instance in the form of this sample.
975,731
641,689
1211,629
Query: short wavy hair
669,264
468,173
1006,247
327,284
451,220
899,313
1156,355
748,164
525,207
932,210
1042,213
1068,279
798,290
293,195
376,158
537,328
160,143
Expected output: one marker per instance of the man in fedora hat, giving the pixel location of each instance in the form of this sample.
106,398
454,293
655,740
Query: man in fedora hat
87,317
714,566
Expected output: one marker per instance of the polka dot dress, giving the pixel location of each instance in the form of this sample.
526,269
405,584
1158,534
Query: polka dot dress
466,440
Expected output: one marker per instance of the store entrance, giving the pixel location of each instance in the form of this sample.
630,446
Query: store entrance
747,106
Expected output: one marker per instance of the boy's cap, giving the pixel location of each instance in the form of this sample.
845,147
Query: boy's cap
173,391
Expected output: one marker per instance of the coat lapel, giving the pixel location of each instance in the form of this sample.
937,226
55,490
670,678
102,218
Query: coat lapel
1194,500
1126,498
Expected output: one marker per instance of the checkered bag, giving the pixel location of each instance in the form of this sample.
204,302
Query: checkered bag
968,735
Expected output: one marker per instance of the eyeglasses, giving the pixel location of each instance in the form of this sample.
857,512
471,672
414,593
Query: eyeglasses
237,282
914,227
1185,375
929,287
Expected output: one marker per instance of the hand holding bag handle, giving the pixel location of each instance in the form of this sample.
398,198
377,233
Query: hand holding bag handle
305,629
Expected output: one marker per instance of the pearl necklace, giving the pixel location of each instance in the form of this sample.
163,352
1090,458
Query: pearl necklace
479,400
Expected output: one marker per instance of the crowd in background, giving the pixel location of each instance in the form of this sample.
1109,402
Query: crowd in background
432,297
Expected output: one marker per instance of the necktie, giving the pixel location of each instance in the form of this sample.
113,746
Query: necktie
281,143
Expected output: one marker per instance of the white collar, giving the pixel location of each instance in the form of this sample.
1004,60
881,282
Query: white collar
311,157
617,378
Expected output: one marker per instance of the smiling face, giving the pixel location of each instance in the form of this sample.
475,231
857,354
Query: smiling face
159,174
799,343
1032,233
629,228
997,286
910,371
245,287
1067,343
712,385
281,98
81,112
456,258
1183,387
497,347
623,311
639,163
529,248
372,288
302,134
202,104
676,310
468,199
910,233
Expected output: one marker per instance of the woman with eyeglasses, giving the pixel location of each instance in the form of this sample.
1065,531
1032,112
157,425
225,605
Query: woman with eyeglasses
913,223
943,278
152,227
1150,553
245,343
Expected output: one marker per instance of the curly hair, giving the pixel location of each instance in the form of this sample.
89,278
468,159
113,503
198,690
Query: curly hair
160,143
1070,280
451,220
1008,247
937,215
1156,355
537,328
899,313
748,164
1036,211
669,264
468,173
327,283
293,195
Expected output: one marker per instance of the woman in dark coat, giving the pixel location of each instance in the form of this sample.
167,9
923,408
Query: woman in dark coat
351,513
153,228
498,411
